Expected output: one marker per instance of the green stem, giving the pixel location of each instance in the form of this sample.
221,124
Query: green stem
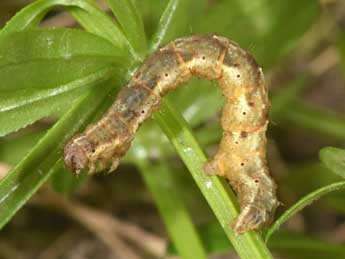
160,180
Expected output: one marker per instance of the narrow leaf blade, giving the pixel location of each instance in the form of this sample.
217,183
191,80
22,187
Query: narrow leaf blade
334,159
301,204
131,22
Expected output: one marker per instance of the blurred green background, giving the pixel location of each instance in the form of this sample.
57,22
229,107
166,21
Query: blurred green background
301,46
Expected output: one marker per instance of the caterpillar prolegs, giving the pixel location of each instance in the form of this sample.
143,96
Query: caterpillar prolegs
241,157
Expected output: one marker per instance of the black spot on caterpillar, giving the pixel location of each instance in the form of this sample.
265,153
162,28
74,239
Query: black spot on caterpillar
241,157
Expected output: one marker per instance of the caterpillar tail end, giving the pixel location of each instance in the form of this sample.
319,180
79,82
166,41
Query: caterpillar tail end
252,218
258,208
254,215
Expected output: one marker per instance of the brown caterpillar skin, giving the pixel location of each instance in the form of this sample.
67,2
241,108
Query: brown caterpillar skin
241,156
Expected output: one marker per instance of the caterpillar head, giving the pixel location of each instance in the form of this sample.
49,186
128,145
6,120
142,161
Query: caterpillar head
81,155
75,157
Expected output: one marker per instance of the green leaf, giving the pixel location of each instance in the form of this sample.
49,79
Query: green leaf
219,196
58,45
58,62
128,16
301,204
172,22
87,14
15,148
97,22
20,117
334,159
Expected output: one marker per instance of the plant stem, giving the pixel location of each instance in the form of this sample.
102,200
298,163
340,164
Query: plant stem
159,178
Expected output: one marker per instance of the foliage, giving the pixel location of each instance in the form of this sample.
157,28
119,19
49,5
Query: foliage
73,75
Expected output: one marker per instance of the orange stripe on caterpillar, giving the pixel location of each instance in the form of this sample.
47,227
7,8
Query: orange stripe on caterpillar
244,119
141,84
247,129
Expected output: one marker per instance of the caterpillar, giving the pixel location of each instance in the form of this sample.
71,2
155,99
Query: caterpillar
241,156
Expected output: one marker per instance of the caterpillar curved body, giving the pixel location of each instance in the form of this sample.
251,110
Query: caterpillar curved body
241,157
